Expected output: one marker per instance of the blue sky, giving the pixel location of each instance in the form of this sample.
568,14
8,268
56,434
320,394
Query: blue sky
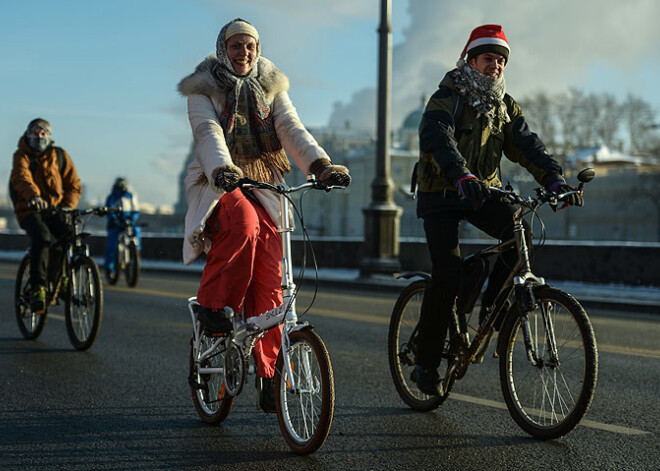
105,73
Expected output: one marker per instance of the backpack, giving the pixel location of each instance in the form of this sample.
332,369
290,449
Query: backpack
60,161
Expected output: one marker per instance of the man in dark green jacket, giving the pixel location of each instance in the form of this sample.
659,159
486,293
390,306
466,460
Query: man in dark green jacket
468,123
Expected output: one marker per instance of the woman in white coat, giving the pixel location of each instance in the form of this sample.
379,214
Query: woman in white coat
243,121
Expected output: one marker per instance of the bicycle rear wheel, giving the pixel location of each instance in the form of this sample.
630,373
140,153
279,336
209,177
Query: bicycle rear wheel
305,414
29,323
208,390
402,348
132,271
83,307
549,399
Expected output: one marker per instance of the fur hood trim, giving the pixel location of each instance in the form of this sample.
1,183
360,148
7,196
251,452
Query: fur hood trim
202,81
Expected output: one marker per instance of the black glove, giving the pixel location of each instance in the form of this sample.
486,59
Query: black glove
560,187
473,189
38,203
227,180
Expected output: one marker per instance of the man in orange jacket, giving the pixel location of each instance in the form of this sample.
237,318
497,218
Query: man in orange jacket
42,176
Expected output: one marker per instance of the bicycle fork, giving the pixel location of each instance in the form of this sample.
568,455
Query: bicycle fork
532,342
524,284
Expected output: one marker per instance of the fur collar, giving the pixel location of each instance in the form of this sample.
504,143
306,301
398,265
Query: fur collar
202,82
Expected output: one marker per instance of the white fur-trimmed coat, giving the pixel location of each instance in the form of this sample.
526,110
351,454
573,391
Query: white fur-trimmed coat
206,100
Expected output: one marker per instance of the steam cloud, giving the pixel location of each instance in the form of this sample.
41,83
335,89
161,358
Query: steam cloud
554,45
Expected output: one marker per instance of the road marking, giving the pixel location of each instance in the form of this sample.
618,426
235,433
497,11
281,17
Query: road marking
584,422
346,315
640,352
351,316
153,292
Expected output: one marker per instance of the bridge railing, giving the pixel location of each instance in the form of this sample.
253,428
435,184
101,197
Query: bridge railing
630,264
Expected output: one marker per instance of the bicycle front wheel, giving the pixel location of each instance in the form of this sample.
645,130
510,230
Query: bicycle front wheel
305,406
84,305
549,399
29,323
208,389
402,347
133,265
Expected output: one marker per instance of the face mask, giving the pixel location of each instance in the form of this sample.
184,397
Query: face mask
38,144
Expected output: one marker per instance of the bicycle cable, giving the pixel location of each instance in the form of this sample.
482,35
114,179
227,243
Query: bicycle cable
299,212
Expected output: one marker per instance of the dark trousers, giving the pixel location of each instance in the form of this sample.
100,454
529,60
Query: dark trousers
495,218
45,262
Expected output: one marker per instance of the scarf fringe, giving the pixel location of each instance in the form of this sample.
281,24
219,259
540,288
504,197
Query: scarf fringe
263,168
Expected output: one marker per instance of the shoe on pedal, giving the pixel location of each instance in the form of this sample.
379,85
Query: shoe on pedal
214,320
38,300
428,381
266,394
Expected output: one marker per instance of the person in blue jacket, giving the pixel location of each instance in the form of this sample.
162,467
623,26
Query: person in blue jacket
121,197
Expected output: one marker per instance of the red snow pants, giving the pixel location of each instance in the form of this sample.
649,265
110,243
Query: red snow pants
243,268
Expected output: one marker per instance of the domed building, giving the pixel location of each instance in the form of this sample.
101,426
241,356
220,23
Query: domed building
409,132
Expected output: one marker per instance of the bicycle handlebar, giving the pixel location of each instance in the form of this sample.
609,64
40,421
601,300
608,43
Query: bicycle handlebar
543,196
247,183
97,210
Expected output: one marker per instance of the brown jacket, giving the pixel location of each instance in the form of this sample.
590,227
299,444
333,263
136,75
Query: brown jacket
56,188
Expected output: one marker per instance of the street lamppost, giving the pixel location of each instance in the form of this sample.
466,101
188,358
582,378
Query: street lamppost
381,217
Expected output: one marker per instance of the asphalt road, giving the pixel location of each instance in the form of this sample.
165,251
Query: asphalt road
126,404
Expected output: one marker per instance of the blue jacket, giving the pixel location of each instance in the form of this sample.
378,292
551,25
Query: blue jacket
128,204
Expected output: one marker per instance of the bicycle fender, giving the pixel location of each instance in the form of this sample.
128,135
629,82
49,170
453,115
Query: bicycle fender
301,326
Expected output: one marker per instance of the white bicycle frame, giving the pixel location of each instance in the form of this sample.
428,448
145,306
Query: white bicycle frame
246,333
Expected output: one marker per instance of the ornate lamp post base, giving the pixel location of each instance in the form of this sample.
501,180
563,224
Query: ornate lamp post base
381,246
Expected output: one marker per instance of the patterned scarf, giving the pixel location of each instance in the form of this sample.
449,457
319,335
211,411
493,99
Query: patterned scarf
247,121
482,92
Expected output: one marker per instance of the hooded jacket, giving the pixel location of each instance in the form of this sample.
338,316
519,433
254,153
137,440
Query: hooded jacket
450,151
45,180
206,101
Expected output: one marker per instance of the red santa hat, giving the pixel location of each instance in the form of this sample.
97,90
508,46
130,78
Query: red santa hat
486,38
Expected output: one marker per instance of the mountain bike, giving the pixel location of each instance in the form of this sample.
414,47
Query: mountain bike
77,285
127,259
304,380
546,346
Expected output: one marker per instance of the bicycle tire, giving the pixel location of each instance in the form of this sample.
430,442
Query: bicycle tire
30,324
132,270
401,348
208,390
305,415
83,307
548,401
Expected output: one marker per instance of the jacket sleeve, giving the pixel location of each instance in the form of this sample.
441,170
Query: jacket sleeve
21,178
71,187
524,147
298,143
211,148
436,135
